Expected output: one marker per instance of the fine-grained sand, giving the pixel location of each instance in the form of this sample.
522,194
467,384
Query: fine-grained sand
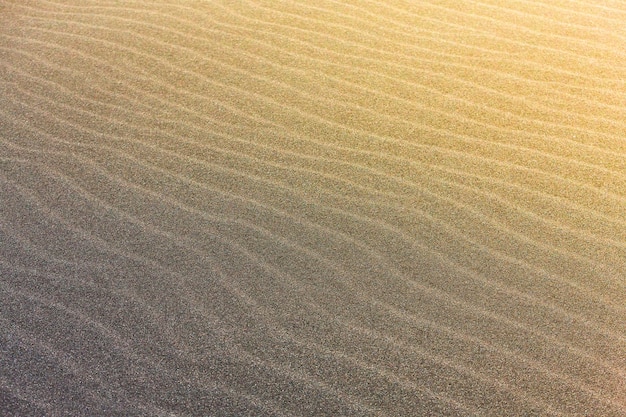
312,208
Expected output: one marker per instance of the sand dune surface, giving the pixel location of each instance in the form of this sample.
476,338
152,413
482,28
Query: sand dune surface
312,208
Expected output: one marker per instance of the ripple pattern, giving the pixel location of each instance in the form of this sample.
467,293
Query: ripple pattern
295,208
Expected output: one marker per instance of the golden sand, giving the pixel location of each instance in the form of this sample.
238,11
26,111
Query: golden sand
359,207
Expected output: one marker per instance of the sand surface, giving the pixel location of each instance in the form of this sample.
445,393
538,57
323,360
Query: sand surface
312,208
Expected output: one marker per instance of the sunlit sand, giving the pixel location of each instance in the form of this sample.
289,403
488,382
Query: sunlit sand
341,208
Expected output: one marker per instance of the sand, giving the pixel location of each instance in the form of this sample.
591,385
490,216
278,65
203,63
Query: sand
312,208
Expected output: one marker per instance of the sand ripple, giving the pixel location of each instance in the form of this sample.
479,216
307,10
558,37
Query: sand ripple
270,207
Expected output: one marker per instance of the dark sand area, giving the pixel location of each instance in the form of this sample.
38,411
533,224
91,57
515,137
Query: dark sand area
297,208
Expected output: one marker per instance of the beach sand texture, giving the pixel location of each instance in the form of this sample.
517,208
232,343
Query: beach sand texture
312,208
